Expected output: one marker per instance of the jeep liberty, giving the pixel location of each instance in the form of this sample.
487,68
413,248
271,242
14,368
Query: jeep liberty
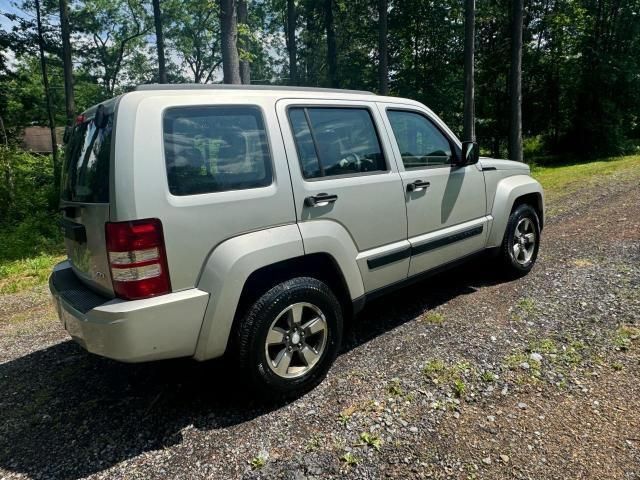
201,220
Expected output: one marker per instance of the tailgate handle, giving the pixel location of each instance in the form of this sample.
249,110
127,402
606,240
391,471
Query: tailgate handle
73,231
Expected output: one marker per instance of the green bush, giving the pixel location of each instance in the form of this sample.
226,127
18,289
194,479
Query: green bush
26,186
36,235
28,217
533,147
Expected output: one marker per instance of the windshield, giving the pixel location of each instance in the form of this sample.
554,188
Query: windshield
85,172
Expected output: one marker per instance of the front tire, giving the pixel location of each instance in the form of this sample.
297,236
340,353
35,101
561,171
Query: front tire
289,337
521,241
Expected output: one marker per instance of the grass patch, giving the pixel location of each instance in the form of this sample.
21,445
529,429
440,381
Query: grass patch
582,263
562,180
527,305
435,318
258,462
452,376
395,389
434,368
18,275
459,387
488,377
29,251
313,443
625,335
556,358
349,459
371,440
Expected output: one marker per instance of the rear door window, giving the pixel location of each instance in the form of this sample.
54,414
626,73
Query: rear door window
215,148
336,141
85,171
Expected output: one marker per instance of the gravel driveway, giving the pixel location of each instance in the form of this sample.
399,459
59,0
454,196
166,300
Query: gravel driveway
462,376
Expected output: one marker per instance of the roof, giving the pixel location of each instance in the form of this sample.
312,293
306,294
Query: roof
38,139
200,86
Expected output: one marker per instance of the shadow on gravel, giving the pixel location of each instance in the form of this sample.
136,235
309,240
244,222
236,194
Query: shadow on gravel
394,309
66,414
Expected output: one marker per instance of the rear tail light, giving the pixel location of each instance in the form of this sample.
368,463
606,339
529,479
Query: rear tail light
137,259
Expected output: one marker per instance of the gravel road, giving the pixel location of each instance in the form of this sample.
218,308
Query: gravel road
462,376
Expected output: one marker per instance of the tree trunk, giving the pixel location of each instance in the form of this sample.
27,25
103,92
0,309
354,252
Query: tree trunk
157,19
229,37
67,66
332,60
245,69
383,60
291,41
4,132
515,124
45,83
469,130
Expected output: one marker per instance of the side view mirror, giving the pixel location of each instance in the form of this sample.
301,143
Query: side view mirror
470,154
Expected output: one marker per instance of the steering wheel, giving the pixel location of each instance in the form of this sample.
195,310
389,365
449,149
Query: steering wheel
350,158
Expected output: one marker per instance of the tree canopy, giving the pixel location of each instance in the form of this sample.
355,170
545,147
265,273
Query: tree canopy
580,59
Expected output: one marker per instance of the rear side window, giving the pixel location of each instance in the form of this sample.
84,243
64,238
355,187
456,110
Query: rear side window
420,142
85,171
214,149
336,141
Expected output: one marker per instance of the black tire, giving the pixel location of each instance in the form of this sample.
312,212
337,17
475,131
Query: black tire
512,266
253,328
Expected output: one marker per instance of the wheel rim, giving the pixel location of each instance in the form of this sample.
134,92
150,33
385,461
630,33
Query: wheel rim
296,340
524,241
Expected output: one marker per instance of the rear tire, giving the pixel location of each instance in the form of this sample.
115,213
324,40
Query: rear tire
519,249
289,338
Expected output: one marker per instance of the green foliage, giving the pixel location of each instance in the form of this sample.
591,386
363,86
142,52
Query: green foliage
194,34
459,387
349,459
533,147
453,376
17,275
581,58
114,40
371,440
625,335
435,318
31,242
26,187
258,462
561,180
488,377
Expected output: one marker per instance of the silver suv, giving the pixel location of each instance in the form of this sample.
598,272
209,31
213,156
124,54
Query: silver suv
204,220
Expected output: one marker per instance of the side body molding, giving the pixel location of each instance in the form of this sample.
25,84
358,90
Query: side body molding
225,273
507,191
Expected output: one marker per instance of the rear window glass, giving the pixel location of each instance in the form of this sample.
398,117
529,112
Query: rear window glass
213,149
85,171
336,141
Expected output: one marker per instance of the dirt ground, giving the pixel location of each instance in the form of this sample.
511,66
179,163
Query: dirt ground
461,376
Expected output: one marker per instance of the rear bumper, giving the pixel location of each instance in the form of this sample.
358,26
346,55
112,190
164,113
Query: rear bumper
156,328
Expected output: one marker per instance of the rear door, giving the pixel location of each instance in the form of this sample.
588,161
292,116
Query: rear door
85,197
344,175
446,205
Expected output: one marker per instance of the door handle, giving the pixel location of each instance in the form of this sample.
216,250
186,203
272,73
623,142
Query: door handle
320,200
417,186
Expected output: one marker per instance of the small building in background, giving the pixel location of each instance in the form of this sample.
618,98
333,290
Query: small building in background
38,139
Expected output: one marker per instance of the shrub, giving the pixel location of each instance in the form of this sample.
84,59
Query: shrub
26,186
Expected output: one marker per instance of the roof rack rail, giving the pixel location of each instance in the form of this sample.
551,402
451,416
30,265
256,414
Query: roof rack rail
209,86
